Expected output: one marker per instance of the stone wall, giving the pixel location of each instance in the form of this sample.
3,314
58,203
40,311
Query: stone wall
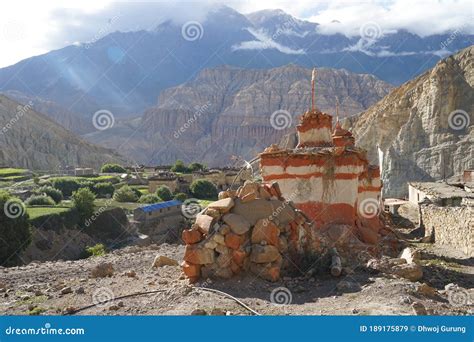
450,226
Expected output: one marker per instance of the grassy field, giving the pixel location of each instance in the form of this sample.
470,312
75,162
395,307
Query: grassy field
104,202
35,212
8,171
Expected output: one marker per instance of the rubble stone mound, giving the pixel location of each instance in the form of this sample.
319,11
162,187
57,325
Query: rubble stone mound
254,229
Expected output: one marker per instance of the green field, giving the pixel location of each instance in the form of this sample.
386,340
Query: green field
104,202
5,172
35,212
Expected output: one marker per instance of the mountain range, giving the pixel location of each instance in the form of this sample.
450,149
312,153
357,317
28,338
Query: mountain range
125,72
229,111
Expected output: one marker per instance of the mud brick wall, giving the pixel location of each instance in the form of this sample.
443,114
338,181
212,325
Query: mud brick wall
450,226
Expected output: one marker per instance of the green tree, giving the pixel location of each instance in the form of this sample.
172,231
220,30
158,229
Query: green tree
113,168
15,233
39,200
83,201
164,193
66,185
197,167
55,194
150,199
179,166
126,194
180,196
104,189
203,189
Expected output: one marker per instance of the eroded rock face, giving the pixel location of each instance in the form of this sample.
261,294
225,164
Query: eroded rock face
413,128
227,111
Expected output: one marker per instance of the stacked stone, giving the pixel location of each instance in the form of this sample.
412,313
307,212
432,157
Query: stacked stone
252,229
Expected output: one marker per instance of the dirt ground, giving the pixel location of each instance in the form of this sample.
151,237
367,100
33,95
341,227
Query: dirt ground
65,286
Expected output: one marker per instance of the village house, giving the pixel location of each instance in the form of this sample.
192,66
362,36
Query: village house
440,193
159,219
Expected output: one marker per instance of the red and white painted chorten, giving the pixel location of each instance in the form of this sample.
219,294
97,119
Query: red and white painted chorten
327,176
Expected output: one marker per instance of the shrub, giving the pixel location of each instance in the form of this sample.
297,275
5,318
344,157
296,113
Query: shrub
97,250
197,167
104,189
180,196
179,166
164,193
203,189
39,200
86,184
55,194
150,199
83,202
113,168
15,233
66,185
126,194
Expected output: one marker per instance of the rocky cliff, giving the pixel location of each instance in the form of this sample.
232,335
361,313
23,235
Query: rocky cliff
229,111
424,127
32,140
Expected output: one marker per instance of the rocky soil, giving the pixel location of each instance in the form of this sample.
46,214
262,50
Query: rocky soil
65,286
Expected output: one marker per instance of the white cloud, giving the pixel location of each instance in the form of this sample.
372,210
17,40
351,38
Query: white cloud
30,28
420,17
265,42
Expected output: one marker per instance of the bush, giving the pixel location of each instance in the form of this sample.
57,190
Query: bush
104,189
203,189
55,194
66,185
83,202
164,193
113,168
15,233
86,184
39,200
97,250
126,194
180,196
179,166
150,199
197,167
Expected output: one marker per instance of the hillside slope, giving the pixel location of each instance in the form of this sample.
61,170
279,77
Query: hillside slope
424,127
32,140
